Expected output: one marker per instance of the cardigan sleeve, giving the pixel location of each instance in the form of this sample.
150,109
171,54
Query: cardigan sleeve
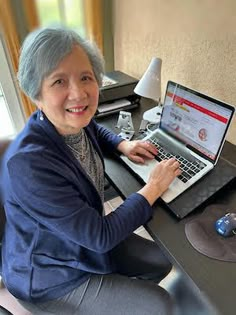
63,202
107,140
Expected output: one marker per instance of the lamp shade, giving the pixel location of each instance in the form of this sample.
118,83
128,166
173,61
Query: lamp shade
150,84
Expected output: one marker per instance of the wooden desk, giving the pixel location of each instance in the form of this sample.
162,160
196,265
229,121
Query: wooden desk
211,278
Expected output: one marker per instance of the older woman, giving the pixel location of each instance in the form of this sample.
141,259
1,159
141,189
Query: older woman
60,254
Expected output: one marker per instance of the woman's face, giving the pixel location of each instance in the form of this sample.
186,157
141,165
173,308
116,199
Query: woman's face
69,95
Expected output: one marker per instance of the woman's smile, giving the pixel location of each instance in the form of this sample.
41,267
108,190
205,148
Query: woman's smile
78,110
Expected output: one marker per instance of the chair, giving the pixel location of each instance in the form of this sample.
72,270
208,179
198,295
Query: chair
3,145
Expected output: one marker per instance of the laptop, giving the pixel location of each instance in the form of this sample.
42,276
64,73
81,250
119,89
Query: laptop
192,129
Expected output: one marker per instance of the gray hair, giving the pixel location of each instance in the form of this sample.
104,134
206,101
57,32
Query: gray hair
42,51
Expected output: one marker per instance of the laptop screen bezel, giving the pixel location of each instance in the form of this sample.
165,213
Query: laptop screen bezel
208,98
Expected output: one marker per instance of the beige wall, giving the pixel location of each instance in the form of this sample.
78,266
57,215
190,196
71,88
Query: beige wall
196,40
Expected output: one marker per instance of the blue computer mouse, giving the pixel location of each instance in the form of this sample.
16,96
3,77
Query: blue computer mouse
226,226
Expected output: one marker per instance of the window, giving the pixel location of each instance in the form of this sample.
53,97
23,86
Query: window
67,12
11,117
6,127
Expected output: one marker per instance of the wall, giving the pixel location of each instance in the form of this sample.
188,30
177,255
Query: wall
195,39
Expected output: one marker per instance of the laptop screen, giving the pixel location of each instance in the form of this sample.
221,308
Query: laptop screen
197,120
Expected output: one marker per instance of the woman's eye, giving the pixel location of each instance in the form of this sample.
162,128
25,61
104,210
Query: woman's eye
58,82
86,78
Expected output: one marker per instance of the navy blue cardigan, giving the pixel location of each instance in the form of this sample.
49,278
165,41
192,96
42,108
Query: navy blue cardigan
55,234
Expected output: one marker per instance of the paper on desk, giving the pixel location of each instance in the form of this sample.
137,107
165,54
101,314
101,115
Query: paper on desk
114,105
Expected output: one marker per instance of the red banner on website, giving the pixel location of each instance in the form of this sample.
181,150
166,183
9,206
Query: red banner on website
182,101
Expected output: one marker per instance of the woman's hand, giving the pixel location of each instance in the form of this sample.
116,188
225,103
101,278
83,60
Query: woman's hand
160,178
138,150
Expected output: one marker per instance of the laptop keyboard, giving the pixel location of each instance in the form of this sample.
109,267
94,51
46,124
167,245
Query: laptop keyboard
189,168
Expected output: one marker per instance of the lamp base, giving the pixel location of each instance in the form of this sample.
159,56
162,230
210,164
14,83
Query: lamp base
153,115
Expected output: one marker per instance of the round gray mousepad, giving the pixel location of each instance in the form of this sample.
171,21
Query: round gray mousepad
203,237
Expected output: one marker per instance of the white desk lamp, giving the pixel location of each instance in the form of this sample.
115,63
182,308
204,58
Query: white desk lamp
149,86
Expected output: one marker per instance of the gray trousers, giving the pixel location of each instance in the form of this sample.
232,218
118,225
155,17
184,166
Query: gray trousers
133,290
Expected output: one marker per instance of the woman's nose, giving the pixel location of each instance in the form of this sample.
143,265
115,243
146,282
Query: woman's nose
76,91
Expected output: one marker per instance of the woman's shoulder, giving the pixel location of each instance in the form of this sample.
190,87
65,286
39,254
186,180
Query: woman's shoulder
34,142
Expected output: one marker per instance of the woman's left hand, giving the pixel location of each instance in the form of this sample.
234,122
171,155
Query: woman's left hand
138,150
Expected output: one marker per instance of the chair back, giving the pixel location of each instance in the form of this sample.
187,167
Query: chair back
3,146
2,221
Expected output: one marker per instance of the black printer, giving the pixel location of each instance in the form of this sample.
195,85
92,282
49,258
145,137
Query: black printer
117,93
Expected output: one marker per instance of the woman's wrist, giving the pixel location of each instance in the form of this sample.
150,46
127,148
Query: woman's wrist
122,146
150,193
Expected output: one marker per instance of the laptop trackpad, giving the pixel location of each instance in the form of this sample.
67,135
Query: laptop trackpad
175,188
143,170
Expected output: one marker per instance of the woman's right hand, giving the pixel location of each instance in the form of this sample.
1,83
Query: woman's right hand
160,178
